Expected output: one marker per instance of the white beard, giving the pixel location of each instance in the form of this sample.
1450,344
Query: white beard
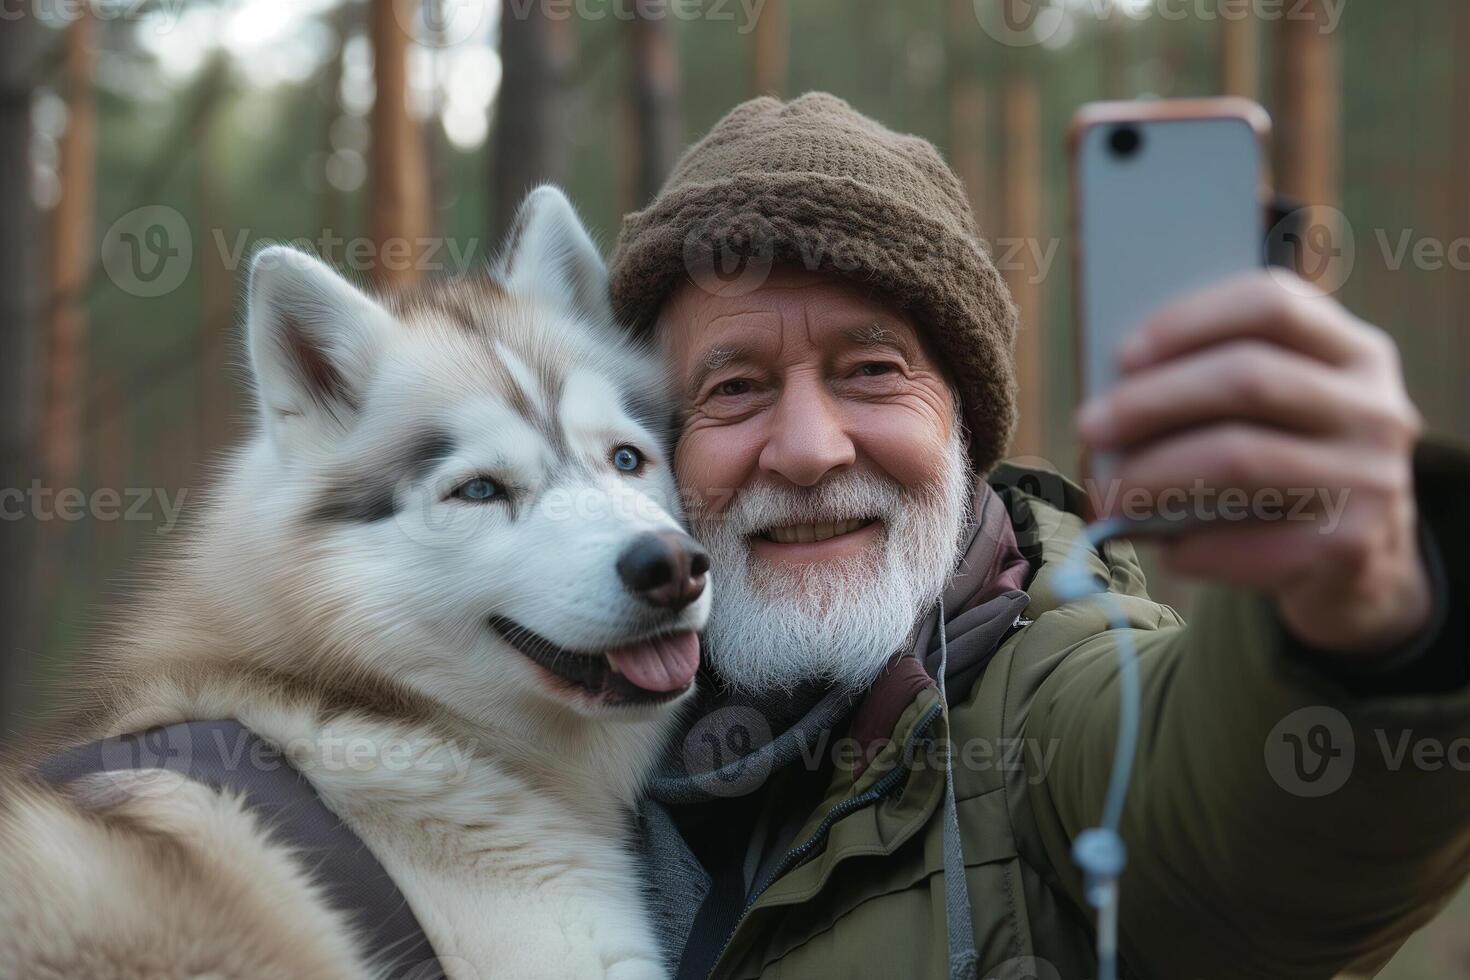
773,629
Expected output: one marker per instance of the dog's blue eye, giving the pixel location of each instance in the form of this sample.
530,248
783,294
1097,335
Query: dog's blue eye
627,459
478,490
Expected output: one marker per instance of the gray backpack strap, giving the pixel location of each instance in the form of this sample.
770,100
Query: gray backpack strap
226,755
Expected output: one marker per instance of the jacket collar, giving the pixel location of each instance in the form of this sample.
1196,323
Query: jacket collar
981,606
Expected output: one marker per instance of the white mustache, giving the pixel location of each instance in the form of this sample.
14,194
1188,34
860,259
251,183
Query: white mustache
855,496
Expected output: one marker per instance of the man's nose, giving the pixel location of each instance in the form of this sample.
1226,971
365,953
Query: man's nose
807,439
664,569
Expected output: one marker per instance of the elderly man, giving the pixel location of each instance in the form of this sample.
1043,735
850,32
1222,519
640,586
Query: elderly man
840,806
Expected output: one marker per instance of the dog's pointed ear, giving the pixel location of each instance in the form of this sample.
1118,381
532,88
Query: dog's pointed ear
548,254
313,340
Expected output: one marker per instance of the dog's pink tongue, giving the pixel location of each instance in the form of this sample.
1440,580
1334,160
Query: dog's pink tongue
666,663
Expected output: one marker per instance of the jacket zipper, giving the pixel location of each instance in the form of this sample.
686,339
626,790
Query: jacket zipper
799,853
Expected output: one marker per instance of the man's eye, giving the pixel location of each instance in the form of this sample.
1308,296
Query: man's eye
874,369
735,386
479,490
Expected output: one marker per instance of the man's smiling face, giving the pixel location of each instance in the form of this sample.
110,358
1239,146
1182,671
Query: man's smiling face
822,458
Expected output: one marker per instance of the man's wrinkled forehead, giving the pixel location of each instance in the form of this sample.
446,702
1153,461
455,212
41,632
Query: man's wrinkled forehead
703,331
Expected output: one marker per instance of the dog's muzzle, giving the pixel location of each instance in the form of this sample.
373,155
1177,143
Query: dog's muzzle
665,569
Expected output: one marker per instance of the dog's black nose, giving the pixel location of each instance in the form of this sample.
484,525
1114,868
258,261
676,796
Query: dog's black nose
664,569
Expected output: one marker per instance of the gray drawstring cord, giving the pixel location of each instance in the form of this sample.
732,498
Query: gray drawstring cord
959,924
1099,851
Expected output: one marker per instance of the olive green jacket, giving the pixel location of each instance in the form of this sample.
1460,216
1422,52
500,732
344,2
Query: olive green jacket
1284,820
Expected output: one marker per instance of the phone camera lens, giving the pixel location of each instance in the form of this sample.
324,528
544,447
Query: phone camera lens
1125,141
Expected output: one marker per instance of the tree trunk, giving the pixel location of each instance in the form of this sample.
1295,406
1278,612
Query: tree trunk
1170,67
1308,128
113,456
653,90
18,463
219,395
532,116
1459,223
1023,222
334,209
1239,50
1116,77
770,49
71,261
967,110
397,171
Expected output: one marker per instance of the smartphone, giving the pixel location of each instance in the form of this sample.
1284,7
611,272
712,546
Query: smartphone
1168,196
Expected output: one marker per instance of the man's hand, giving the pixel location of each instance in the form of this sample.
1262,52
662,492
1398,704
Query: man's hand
1269,389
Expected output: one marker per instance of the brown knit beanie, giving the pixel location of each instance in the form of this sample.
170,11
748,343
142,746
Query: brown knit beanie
816,184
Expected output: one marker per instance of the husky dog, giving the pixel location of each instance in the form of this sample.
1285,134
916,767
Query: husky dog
446,578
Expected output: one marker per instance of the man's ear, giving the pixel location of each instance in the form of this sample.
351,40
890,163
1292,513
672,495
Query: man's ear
313,340
548,254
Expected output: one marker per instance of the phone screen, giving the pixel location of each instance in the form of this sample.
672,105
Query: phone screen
1164,206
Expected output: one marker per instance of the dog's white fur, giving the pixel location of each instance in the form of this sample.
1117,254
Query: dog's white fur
334,602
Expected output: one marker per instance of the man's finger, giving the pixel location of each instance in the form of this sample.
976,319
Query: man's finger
1256,305
1242,379
1264,555
1239,467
